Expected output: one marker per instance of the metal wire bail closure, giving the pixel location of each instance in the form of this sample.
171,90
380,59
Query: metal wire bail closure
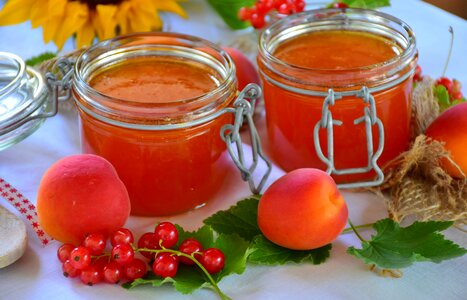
370,118
61,88
243,110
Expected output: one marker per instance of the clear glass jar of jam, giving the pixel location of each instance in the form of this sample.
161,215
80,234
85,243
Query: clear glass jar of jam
337,88
152,105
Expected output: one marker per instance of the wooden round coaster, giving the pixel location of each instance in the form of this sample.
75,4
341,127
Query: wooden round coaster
13,237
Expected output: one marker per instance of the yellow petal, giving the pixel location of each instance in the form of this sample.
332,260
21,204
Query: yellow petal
85,34
38,16
56,8
15,12
106,22
141,21
170,6
76,15
55,13
121,17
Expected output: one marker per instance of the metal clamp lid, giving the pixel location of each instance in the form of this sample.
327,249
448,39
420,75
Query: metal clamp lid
370,118
230,134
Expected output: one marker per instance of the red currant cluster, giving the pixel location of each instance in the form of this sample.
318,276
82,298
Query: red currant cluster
454,87
92,264
258,12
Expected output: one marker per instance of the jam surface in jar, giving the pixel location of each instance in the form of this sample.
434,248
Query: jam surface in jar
291,116
155,80
165,171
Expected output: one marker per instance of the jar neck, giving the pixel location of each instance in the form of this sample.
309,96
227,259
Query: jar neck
117,51
386,73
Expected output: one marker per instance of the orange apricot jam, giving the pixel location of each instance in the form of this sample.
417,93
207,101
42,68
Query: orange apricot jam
144,113
299,66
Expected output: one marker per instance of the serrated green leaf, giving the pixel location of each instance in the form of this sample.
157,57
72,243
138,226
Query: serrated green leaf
235,251
187,280
204,235
263,251
395,247
370,4
35,60
241,219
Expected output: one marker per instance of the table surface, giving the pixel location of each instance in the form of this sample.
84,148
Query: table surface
37,274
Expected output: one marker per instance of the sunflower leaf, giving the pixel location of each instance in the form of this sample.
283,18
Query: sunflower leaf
35,60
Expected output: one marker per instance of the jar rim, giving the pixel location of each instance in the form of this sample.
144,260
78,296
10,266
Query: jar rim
318,14
187,46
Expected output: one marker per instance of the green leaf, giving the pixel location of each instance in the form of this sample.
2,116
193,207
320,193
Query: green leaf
204,235
191,278
35,60
442,94
187,280
235,251
395,247
241,219
371,4
264,252
228,10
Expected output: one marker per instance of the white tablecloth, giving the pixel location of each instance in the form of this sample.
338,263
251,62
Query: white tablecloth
37,275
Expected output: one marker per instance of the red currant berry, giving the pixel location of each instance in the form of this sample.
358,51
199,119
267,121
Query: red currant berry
63,252
122,254
446,82
149,241
80,258
166,234
277,3
244,13
136,269
165,265
340,5
457,96
113,272
190,246
101,262
418,74
121,236
69,270
95,242
300,6
284,9
213,260
91,275
257,21
263,6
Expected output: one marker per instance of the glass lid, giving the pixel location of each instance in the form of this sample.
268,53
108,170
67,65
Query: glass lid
23,95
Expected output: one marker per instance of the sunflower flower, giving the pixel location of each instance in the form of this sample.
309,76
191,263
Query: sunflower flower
87,19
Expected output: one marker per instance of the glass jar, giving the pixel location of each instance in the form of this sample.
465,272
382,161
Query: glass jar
348,121
24,103
168,153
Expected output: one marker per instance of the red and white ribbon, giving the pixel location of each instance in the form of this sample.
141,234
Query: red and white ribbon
25,207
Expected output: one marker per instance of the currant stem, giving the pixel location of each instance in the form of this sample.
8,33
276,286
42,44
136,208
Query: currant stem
206,273
349,229
451,31
356,232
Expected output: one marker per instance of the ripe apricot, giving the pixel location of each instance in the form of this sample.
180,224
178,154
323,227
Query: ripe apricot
81,194
302,210
450,127
245,70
